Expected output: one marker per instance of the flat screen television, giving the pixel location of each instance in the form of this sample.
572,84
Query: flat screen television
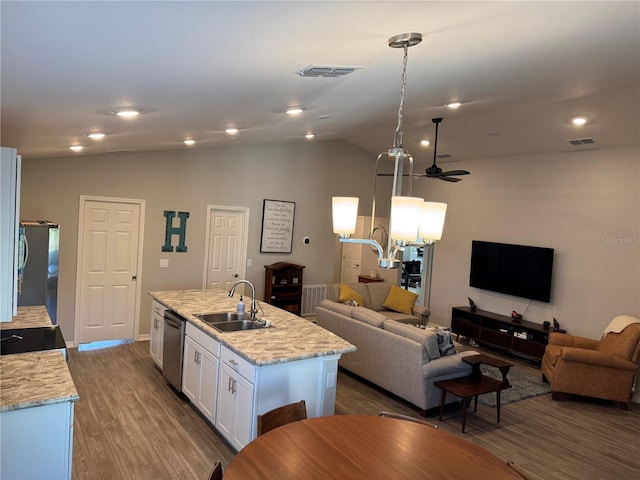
518,270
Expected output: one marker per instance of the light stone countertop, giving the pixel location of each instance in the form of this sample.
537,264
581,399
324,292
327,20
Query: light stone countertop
290,338
28,317
34,378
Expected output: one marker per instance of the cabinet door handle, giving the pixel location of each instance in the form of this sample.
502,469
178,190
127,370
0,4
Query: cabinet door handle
195,357
233,386
230,385
234,363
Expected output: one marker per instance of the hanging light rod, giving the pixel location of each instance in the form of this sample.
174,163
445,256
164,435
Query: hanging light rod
408,214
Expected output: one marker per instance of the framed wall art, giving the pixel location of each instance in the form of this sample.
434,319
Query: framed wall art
277,226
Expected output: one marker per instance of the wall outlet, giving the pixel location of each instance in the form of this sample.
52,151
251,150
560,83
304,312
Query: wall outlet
164,262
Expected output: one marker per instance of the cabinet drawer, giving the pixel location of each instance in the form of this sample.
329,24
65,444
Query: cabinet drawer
157,307
207,342
529,347
496,338
237,363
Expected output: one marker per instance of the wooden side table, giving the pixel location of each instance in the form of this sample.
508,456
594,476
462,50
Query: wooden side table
476,384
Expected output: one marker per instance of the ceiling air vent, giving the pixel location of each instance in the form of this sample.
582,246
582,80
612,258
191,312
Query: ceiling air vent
443,155
581,141
327,71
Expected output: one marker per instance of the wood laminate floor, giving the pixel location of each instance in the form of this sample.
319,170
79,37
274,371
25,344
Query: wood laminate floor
129,424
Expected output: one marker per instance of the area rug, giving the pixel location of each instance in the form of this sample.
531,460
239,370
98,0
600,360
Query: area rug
524,384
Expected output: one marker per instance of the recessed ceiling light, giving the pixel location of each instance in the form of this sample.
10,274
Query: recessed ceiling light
425,143
231,131
127,113
76,148
579,121
96,135
454,105
294,111
190,142
309,136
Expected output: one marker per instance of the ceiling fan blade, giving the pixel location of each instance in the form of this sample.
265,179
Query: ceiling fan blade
449,179
455,172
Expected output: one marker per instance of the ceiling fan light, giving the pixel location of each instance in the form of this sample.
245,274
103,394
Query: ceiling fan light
345,215
432,221
405,218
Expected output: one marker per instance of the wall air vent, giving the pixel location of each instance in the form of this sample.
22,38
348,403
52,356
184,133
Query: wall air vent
576,142
326,71
443,155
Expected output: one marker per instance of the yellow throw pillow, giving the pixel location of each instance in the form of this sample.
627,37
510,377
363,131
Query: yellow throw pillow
348,293
400,300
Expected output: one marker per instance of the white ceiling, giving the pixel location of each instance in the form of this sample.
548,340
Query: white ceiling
195,68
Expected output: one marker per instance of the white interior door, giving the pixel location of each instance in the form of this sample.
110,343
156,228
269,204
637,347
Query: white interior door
352,256
226,247
109,253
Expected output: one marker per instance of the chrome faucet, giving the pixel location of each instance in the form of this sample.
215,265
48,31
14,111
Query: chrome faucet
253,307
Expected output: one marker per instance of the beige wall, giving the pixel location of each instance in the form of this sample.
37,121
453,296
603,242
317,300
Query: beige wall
189,180
584,205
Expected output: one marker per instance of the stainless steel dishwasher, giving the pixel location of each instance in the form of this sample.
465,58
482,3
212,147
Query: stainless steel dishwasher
172,349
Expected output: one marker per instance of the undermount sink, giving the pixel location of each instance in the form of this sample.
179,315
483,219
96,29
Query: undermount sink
231,321
22,340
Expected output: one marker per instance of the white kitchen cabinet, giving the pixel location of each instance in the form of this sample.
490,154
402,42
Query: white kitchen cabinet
200,371
156,343
235,412
9,223
37,442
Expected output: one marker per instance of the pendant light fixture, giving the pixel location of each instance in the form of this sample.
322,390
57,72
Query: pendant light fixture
412,220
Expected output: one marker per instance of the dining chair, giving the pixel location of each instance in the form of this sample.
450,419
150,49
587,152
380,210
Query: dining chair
281,416
400,416
517,469
216,472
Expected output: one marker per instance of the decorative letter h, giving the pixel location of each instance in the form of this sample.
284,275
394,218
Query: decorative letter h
171,230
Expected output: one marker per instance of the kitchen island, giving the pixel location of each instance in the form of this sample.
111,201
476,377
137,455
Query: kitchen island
256,370
37,395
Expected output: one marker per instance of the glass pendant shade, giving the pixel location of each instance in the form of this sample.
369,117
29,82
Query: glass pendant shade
345,214
432,221
405,218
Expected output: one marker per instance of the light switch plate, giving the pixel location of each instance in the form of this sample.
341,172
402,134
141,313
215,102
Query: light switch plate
164,262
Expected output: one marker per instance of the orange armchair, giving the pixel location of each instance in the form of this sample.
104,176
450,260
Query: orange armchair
603,369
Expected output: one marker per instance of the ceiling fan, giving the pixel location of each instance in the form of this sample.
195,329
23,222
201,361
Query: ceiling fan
436,172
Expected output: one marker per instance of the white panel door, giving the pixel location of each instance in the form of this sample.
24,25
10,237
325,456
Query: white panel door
352,256
107,270
227,229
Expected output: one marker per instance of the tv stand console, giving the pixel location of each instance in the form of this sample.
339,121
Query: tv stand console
517,336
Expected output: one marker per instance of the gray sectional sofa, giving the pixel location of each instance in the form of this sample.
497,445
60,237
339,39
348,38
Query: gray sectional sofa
398,357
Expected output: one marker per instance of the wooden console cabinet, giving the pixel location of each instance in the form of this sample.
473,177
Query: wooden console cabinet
283,286
500,331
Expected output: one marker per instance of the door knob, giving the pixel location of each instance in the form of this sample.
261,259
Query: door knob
235,275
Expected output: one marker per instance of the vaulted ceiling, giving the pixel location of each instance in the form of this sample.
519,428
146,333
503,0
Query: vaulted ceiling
522,70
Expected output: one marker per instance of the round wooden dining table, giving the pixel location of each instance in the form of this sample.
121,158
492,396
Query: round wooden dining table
363,447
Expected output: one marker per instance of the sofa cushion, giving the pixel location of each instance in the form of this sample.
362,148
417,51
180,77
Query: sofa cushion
347,293
426,337
378,292
368,316
400,317
337,307
400,300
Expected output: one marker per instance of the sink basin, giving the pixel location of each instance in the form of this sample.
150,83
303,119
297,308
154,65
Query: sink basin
230,321
236,325
222,317
21,340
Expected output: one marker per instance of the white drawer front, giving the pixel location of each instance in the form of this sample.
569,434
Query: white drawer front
157,307
207,342
238,364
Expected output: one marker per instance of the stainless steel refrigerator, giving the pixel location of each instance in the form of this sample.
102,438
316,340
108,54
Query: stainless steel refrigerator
38,265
